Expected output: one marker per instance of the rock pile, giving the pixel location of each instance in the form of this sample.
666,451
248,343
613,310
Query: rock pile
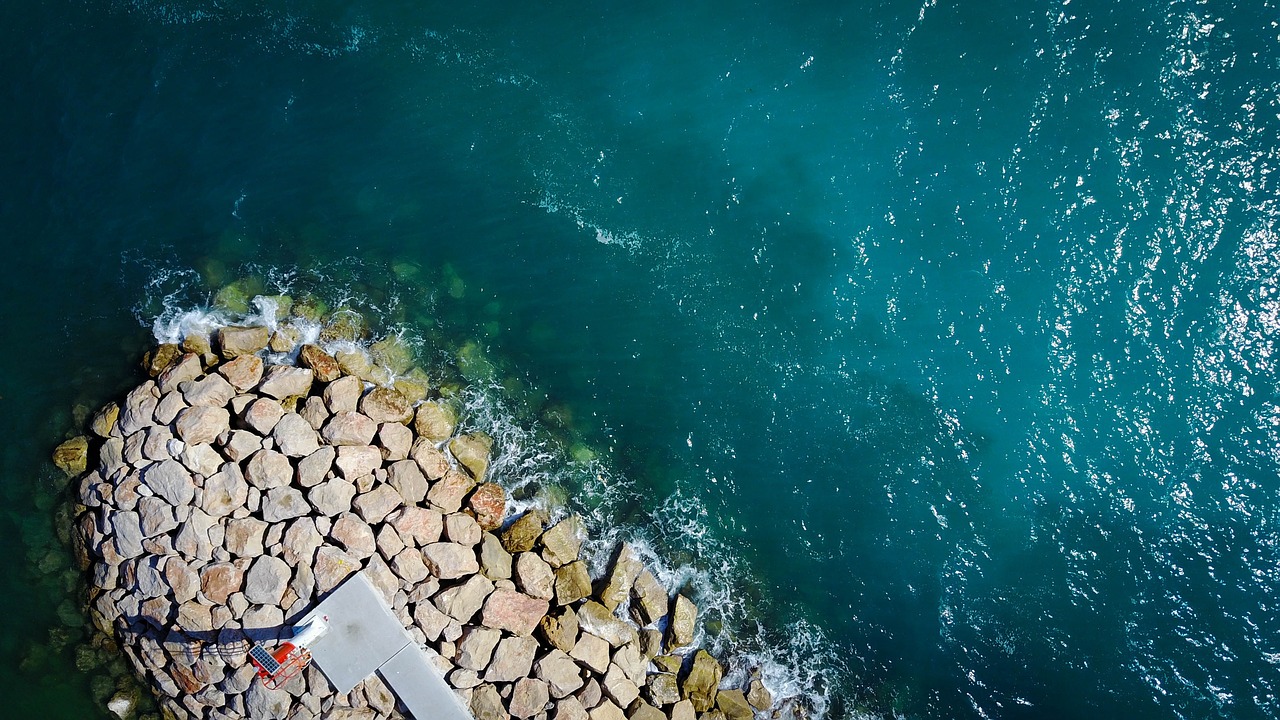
224,497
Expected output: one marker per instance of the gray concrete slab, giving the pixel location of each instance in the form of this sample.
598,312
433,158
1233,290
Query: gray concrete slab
421,688
363,633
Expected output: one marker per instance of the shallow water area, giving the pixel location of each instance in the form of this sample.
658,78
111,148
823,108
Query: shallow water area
934,343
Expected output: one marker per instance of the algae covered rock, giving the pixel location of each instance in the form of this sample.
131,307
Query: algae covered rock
472,451
435,421
72,456
702,682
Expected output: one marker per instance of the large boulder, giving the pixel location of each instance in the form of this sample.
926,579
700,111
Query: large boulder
321,363
562,542
702,681
463,601
236,341
383,404
284,503
573,583
528,698
534,576
513,611
209,391
268,469
171,481
560,672
449,561
407,478
683,615
357,461
435,421
198,425
282,381
524,532
243,373
560,629
266,580
376,504
596,618
649,601
294,436
488,504
623,575
472,451
349,428
512,659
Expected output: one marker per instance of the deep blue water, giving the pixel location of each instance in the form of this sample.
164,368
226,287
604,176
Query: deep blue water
932,344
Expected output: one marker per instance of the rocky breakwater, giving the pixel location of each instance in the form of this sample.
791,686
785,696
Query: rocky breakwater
224,497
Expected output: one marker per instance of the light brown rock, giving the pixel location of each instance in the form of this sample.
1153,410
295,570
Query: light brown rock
236,341
649,599
522,534
321,363
209,391
343,395
408,480
357,461
560,629
430,459
219,580
528,698
284,503
461,529
282,381
268,469
332,566
621,577
560,672
197,425
243,373
447,492
294,436
396,440
573,583
513,611
475,648
596,618
353,535
449,561
435,421
261,415
313,468
512,659
463,601
374,505
683,615
488,504
495,561
472,452
386,405
350,428
416,525
332,496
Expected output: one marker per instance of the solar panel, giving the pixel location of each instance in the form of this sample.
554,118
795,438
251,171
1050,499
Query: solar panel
264,659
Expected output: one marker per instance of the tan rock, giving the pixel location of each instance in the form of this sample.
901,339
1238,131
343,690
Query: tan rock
560,629
560,672
631,662
534,576
644,711
332,566
495,562
266,580
435,421
621,577
284,503
208,391
396,440
171,481
618,687
606,710
349,428
261,415
475,648
420,526
702,681
472,451
198,425
569,708
449,561
353,535
184,369
408,480
649,601
282,381
596,618
758,696
138,410
313,468
463,601
236,341
315,412
461,529
513,611
733,703
300,541
447,492
156,361
591,651
512,659
682,710
386,405
357,461
374,505
573,583
562,543
243,373
486,703
662,689
224,491
524,532
528,698
268,469
294,436
431,621
409,565
104,421
321,363
430,459
332,497
219,580
683,615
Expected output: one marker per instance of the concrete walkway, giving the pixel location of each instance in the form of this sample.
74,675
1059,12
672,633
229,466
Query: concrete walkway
365,637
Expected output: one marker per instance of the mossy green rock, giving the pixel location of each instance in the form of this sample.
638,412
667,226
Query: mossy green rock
472,450
733,703
72,456
702,682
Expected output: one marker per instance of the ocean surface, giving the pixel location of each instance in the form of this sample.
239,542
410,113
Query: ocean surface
931,346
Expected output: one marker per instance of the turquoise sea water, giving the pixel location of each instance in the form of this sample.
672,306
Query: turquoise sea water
931,344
